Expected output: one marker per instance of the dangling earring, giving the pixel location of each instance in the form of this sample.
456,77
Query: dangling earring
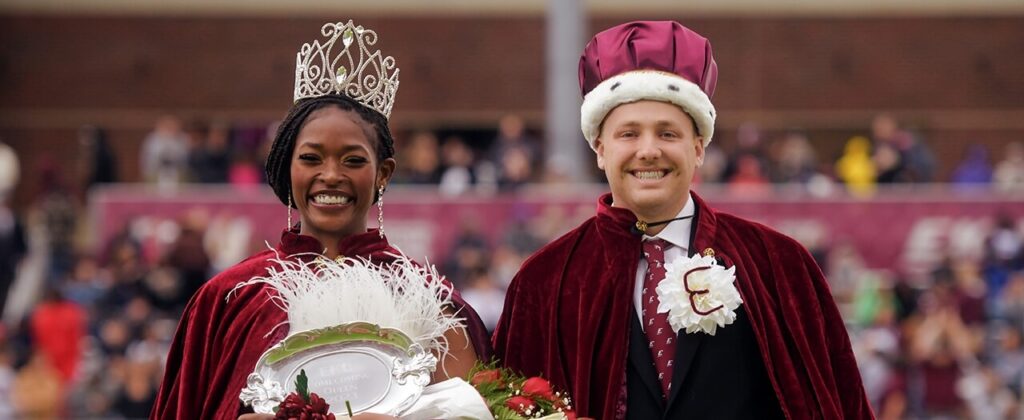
380,211
289,227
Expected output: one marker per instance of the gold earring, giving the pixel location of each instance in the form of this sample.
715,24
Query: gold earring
380,211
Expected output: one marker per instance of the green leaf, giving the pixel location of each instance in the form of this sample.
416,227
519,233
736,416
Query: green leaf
302,385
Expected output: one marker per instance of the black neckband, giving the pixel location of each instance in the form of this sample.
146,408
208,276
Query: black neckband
641,226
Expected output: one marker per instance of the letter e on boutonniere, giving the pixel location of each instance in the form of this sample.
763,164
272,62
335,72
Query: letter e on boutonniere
699,294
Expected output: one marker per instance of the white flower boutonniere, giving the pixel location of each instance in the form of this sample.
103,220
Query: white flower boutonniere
698,294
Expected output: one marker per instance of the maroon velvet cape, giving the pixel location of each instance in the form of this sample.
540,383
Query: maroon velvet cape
220,339
567,314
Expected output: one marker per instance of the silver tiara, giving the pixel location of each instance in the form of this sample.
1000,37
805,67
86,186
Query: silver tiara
354,71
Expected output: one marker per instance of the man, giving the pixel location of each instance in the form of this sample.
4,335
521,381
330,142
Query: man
659,306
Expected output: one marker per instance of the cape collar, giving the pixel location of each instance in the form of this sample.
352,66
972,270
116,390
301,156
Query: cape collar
362,244
619,222
677,232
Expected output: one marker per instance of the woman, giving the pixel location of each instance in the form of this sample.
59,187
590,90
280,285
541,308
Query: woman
331,159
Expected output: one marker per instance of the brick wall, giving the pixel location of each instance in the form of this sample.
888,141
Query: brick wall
957,79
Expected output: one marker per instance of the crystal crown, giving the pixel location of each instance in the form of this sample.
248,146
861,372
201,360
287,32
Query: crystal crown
345,65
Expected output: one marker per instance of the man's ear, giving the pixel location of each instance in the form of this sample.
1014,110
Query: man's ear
699,150
599,149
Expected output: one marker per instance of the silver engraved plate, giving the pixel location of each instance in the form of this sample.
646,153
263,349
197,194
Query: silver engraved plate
374,369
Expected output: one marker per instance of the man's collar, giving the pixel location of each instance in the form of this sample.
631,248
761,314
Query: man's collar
678,232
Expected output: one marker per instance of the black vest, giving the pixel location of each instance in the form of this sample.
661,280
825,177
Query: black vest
715,377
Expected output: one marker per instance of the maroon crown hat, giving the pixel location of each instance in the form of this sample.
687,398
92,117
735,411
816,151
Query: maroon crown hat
647,60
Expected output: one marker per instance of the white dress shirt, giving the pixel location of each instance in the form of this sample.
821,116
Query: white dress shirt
677,234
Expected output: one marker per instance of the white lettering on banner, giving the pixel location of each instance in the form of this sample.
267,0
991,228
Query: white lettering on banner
809,232
413,237
967,237
931,239
923,247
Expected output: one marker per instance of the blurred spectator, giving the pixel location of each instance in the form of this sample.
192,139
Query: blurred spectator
749,177
6,380
516,169
469,252
517,242
889,164
87,283
846,271
975,169
164,154
245,170
10,170
1009,172
505,264
970,295
485,296
188,255
856,168
421,164
713,169
115,335
514,152
939,345
986,394
1009,303
127,271
915,162
748,148
459,174
36,393
209,152
1007,356
56,212
13,248
136,397
795,160
877,351
1005,245
512,136
263,148
98,164
58,326
164,287
143,370
873,294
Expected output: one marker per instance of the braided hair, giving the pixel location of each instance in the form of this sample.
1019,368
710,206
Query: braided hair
279,161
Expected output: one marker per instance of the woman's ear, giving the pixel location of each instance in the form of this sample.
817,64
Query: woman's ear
385,172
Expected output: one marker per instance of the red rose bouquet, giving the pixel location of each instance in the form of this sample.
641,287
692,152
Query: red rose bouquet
302,404
514,397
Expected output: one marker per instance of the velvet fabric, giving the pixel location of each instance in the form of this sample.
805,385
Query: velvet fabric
220,337
653,45
568,314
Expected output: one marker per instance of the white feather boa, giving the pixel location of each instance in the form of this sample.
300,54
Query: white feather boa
402,295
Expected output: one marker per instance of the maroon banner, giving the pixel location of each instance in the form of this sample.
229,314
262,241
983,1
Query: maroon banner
907,231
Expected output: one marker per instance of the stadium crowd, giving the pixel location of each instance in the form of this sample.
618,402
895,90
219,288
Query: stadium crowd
92,341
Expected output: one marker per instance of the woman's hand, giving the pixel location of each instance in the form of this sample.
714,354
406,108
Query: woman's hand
372,416
363,416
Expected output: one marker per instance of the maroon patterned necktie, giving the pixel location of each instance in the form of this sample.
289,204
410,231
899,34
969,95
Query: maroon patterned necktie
661,338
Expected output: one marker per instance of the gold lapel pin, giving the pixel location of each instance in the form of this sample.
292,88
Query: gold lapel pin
708,252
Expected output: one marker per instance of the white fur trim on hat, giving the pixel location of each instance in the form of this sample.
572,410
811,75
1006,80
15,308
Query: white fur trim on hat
641,85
